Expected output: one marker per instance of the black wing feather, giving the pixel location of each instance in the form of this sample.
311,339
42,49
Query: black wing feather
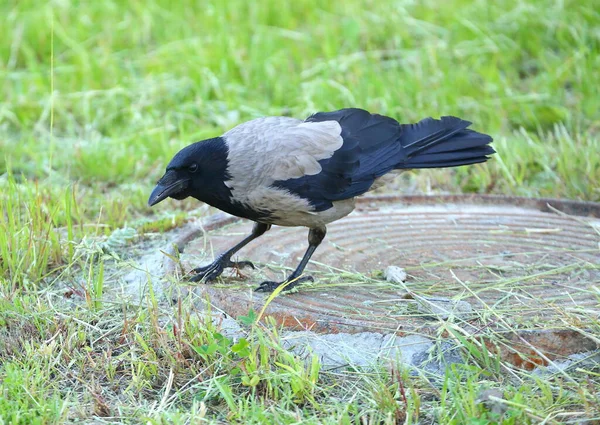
373,145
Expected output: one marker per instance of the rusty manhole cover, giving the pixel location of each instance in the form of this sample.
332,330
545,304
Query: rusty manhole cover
521,264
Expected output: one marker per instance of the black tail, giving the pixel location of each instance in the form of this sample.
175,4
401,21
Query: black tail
440,143
375,145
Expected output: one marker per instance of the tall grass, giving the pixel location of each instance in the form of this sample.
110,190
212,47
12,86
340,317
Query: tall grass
37,231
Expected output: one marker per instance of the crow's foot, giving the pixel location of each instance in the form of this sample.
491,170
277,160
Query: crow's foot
215,269
289,283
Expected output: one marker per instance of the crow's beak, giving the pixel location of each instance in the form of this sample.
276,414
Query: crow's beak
168,185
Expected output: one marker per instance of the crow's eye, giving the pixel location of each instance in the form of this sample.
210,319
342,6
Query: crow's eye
193,168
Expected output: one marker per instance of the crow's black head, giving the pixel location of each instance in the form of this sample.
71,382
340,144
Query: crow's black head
198,170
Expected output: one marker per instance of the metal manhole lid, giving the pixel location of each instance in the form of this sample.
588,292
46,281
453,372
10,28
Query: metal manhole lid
517,261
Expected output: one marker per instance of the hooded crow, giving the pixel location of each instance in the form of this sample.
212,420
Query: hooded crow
288,172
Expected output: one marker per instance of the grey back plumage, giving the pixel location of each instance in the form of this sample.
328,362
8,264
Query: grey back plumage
271,149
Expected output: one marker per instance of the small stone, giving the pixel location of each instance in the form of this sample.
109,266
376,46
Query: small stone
443,308
394,274
488,399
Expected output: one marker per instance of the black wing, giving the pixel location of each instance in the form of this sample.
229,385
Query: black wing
373,145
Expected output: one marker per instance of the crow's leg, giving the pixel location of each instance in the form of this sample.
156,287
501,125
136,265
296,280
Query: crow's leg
223,261
315,236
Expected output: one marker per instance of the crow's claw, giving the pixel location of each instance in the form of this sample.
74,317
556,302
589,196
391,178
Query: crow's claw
242,264
216,268
208,273
270,286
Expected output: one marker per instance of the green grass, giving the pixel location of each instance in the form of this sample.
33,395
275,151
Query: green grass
97,96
